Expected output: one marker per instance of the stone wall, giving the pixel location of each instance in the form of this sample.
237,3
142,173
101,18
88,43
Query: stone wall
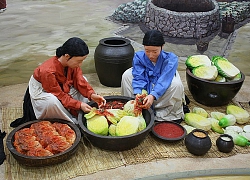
183,24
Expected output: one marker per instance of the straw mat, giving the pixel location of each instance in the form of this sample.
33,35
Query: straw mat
89,159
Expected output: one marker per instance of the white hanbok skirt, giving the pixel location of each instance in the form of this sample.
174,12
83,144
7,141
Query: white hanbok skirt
168,107
47,106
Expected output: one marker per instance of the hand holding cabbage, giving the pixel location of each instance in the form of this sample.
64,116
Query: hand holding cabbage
117,122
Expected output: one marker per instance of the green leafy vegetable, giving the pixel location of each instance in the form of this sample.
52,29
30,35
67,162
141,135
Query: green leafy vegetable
206,72
241,115
217,115
236,78
129,107
220,78
197,60
218,57
235,128
215,126
227,120
226,68
142,123
188,128
237,138
91,114
197,121
98,125
127,125
112,130
200,111
246,135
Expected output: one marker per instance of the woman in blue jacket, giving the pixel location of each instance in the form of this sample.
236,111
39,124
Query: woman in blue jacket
156,71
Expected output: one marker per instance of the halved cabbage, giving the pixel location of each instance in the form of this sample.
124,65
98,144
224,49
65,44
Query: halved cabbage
127,125
226,68
206,72
197,121
215,126
200,111
197,60
98,125
241,115
220,78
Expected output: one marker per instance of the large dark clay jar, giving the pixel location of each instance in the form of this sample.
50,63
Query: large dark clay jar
212,93
198,142
225,143
112,57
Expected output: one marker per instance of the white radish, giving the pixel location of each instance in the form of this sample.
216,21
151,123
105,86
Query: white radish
235,128
246,128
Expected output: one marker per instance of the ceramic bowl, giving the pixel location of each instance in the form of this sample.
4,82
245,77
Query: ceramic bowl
211,93
117,143
46,160
169,131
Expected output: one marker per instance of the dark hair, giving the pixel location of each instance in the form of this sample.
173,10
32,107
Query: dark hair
153,38
74,47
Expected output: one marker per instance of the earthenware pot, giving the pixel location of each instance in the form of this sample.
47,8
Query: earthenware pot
112,57
35,161
198,142
116,143
212,93
225,143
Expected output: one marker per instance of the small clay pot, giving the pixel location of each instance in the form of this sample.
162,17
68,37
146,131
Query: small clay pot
198,142
225,143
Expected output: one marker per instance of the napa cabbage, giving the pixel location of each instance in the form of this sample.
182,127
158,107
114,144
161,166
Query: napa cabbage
127,125
200,111
241,115
98,125
197,121
197,60
205,72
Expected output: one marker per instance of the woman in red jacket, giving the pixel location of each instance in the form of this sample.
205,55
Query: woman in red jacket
58,88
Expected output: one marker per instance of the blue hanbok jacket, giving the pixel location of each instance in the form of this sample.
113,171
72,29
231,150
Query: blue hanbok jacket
154,78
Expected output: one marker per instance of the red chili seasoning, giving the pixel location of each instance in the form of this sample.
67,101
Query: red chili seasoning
168,130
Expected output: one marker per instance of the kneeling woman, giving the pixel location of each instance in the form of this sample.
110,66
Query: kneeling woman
156,71
58,88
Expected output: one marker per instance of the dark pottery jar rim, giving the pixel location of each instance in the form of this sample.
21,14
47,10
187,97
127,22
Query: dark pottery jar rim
114,41
200,130
225,135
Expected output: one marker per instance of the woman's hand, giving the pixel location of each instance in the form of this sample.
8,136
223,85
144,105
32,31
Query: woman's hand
148,101
98,99
85,107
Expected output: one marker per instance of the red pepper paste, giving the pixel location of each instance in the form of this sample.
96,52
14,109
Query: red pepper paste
168,130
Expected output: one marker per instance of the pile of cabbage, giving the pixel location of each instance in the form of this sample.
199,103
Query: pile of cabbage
221,123
116,122
217,69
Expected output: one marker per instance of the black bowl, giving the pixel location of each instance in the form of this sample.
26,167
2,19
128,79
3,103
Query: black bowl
117,143
169,133
46,160
211,93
